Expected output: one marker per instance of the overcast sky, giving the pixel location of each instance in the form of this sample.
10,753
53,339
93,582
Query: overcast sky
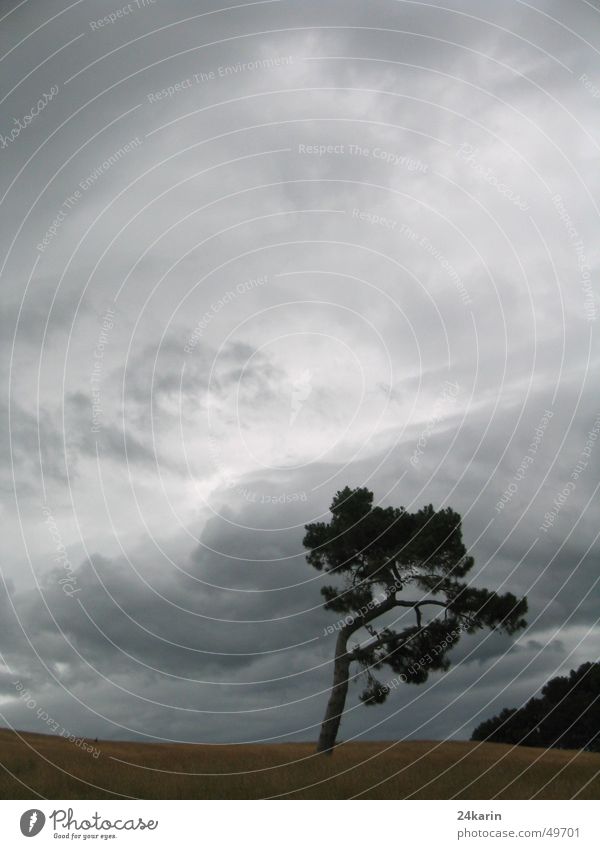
251,254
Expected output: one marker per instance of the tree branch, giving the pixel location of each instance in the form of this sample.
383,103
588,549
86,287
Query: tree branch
385,606
357,652
438,603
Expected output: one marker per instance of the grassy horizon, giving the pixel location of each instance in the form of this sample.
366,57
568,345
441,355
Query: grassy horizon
46,766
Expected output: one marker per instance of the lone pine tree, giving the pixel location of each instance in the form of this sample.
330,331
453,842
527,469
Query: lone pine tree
378,554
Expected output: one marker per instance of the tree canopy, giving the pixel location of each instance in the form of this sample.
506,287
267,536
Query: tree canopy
565,715
375,555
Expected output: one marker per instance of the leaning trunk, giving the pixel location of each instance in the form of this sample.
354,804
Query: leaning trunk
337,699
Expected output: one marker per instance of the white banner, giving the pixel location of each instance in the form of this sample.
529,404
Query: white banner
292,824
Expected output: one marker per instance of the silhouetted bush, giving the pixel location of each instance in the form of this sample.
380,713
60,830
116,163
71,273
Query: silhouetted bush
566,715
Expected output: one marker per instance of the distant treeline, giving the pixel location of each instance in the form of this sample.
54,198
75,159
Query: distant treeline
566,715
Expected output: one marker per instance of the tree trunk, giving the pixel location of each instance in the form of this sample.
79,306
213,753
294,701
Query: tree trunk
337,699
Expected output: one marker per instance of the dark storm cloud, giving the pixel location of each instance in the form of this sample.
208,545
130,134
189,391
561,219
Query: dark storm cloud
190,621
172,623
110,442
31,444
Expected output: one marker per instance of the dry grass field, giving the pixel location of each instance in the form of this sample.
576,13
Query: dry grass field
36,765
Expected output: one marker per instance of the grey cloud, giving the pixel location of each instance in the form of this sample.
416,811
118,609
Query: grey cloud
226,495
